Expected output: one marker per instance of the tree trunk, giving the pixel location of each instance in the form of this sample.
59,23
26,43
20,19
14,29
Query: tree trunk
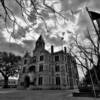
98,68
5,82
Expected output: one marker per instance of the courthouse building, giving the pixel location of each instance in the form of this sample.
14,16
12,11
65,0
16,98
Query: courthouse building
48,70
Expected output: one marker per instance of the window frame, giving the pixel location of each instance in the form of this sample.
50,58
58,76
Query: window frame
40,81
57,68
34,59
32,68
42,58
24,70
25,61
58,81
41,67
57,58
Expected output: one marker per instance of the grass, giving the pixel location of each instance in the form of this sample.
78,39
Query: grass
12,94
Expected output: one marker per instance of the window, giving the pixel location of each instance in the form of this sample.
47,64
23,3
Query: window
65,58
67,80
41,58
66,68
25,61
40,81
57,80
34,59
40,67
57,68
23,69
32,68
56,58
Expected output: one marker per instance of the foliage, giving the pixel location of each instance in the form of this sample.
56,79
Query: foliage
8,65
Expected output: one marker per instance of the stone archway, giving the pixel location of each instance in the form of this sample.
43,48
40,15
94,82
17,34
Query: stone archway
31,74
32,78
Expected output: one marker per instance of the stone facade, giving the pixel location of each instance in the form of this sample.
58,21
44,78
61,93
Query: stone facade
44,70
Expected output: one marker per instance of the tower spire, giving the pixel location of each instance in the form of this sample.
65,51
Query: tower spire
40,42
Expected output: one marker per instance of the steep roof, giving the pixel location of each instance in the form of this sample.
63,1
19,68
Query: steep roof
40,39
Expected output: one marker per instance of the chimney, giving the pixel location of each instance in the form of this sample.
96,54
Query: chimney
65,50
52,49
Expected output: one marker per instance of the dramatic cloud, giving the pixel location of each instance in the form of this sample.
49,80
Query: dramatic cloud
29,44
24,37
12,47
14,7
72,4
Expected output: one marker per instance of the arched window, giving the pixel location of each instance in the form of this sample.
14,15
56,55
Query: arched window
32,68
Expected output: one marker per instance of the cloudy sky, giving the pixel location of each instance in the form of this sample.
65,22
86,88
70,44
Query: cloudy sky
72,18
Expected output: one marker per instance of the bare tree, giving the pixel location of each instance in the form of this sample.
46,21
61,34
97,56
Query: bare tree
87,53
38,9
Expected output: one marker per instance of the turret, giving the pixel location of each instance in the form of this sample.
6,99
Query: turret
40,43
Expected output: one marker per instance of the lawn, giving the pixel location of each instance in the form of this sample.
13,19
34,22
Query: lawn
39,95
